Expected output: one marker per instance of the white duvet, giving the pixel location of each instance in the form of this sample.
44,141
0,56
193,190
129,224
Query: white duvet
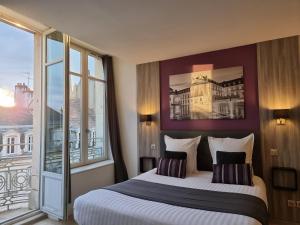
104,207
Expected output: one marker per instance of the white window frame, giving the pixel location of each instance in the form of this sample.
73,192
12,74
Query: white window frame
8,145
30,142
84,132
11,145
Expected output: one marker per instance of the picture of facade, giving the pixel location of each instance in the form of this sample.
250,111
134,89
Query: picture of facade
211,94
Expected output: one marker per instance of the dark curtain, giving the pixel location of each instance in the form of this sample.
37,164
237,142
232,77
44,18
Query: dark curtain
113,122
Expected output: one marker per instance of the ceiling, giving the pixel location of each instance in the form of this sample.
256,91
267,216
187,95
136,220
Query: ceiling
149,30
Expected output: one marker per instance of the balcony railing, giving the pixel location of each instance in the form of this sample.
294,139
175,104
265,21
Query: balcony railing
95,149
15,173
15,182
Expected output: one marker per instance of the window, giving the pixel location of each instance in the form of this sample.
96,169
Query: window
74,123
30,141
87,127
20,111
10,145
54,77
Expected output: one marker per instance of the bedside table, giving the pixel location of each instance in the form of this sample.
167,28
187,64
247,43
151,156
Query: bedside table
144,158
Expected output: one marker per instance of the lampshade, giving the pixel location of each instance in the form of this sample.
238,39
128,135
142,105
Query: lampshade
281,113
146,118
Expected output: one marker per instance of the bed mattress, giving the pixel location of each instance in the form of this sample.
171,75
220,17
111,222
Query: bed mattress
104,207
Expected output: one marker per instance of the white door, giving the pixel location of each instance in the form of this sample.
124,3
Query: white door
55,163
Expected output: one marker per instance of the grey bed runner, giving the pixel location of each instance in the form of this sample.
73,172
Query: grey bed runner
225,202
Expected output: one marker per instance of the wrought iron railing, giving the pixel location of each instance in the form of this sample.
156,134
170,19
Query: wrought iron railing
95,149
15,182
15,173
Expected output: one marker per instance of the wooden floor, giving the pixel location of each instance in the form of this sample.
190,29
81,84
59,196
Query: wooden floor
53,222
282,223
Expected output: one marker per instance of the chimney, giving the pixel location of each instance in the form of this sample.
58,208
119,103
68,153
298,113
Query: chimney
23,96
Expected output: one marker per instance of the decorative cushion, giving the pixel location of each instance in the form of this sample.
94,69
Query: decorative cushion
175,155
232,145
188,145
171,167
232,174
231,157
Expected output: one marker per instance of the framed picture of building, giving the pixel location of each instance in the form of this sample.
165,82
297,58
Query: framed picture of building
211,94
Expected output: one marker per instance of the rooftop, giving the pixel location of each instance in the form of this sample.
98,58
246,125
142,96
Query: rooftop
12,116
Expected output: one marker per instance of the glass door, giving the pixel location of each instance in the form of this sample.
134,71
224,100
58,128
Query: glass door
55,163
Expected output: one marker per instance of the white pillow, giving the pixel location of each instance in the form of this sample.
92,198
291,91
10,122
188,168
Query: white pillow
232,145
188,145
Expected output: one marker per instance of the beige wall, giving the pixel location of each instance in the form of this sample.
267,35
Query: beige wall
83,182
125,83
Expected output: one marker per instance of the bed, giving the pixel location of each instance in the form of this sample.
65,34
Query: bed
109,207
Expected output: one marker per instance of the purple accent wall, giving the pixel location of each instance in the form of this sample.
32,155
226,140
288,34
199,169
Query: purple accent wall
240,56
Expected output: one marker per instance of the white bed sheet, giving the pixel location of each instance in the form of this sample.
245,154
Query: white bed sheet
104,207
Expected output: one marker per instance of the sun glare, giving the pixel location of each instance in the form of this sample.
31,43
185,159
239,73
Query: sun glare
6,98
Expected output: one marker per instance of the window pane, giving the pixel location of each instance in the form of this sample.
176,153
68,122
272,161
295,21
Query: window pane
96,121
54,118
55,46
18,167
75,119
95,67
75,61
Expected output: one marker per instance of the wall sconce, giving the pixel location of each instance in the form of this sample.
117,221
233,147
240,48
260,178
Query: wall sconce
146,118
281,115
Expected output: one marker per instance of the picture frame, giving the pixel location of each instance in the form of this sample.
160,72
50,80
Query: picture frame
210,94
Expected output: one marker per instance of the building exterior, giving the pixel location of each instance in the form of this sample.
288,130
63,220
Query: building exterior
180,104
23,96
229,101
16,128
208,99
16,146
16,124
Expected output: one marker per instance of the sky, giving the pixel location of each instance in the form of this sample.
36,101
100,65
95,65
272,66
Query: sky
17,63
16,56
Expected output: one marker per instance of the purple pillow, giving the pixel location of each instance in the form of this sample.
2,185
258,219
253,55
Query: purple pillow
171,167
232,174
